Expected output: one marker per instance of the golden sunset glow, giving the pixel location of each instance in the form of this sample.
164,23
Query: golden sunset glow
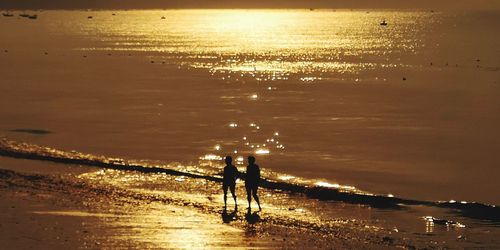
220,124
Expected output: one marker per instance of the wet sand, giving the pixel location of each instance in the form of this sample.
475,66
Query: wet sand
48,213
43,219
133,208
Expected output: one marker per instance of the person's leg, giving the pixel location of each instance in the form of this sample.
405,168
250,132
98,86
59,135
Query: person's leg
233,192
224,187
249,194
255,196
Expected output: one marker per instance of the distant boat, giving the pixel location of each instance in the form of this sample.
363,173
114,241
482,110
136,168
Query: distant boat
89,17
33,16
163,17
24,14
7,14
383,23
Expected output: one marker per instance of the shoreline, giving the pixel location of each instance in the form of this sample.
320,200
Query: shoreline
123,216
26,151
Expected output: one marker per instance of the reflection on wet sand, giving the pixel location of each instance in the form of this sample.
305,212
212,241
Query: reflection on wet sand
170,227
140,218
160,226
144,210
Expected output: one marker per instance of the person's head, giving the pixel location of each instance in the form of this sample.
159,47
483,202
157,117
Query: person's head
229,160
251,159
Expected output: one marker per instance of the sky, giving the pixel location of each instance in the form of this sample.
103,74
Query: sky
146,4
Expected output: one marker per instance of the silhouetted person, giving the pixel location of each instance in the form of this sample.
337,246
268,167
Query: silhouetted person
229,181
252,181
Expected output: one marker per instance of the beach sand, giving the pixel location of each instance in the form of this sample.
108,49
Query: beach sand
45,219
45,212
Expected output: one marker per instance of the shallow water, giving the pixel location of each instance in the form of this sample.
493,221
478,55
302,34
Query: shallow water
316,95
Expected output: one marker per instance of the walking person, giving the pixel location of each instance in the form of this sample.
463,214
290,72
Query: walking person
252,181
229,181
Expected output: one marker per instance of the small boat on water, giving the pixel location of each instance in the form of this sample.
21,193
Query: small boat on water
383,23
33,16
7,14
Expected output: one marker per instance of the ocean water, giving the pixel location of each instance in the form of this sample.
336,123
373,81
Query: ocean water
328,98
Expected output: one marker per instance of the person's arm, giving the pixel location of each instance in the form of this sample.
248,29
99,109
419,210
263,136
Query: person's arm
258,173
236,173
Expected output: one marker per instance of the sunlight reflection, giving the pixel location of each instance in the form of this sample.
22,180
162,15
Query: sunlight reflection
286,177
267,45
334,185
262,151
211,157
